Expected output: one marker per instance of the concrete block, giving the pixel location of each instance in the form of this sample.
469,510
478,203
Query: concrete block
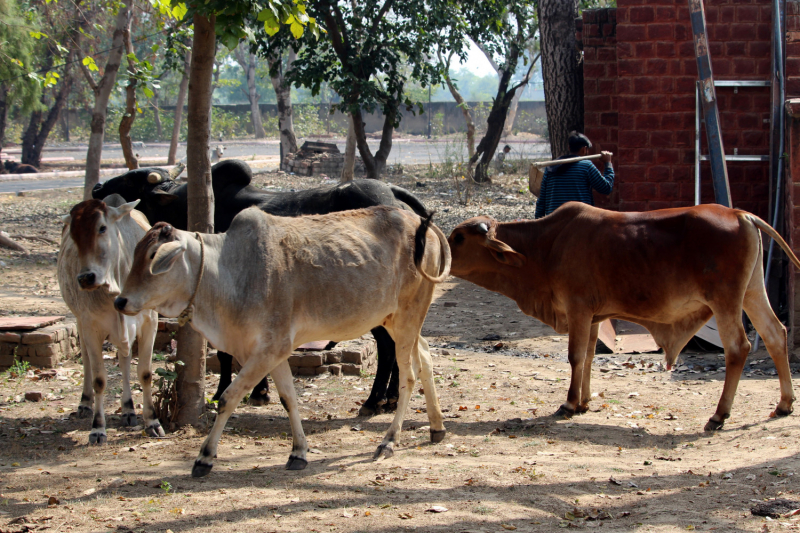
349,369
43,350
335,369
7,348
6,361
50,361
305,371
306,360
34,396
351,356
333,357
41,336
9,336
322,369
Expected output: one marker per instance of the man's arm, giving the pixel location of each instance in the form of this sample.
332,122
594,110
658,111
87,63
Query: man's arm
602,183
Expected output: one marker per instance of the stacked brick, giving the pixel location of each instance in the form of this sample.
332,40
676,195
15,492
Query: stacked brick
43,347
316,158
348,360
639,81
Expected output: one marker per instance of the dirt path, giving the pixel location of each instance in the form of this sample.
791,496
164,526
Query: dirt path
639,460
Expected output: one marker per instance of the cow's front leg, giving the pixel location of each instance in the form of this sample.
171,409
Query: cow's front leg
87,396
92,345
282,376
260,394
435,416
579,333
586,383
253,370
407,380
386,361
147,335
128,416
392,392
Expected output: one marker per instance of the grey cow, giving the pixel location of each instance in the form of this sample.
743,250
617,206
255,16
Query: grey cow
271,283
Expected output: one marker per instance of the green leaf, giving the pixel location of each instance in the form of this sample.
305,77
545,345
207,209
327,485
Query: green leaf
37,34
296,29
179,11
89,63
148,92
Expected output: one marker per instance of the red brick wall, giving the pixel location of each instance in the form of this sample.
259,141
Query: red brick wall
639,80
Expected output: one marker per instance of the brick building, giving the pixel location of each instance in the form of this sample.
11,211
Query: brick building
640,73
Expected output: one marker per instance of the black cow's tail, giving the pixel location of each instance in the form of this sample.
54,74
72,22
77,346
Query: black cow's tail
419,249
410,200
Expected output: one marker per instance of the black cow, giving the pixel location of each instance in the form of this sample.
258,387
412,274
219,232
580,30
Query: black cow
12,167
163,199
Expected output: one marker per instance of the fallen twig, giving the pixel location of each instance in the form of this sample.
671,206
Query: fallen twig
6,242
35,238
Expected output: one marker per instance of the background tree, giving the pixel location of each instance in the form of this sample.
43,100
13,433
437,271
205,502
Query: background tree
16,60
279,64
247,61
177,59
562,71
363,57
503,30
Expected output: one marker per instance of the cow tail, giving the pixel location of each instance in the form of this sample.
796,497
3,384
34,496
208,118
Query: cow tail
419,249
410,200
769,230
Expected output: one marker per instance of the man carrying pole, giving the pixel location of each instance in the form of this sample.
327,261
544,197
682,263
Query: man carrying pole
574,181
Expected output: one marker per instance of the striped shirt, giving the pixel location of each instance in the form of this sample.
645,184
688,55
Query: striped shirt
572,182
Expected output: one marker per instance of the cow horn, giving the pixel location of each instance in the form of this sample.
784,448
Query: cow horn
483,227
154,177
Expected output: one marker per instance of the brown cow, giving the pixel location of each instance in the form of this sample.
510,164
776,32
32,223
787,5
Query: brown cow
668,270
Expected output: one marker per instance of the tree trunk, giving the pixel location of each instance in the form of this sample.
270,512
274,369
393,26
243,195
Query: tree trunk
176,125
131,161
512,112
247,61
156,114
190,383
283,95
348,170
65,123
102,92
375,165
464,109
36,134
3,119
495,122
562,71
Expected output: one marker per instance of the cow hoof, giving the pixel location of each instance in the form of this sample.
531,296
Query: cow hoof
128,419
155,430
200,469
97,438
582,408
258,400
296,463
564,413
85,412
390,406
383,450
780,412
713,425
437,435
368,410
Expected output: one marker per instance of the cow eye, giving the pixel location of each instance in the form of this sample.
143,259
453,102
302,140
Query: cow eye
459,238
102,229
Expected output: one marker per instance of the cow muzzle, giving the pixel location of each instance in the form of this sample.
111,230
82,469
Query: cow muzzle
87,281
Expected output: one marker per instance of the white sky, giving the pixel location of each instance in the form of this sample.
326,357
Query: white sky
477,62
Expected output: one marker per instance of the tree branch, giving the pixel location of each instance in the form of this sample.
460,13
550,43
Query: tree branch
527,77
88,75
488,55
387,5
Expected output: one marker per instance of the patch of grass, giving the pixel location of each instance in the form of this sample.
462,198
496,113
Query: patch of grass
19,369
483,510
615,401
166,486
455,384
618,470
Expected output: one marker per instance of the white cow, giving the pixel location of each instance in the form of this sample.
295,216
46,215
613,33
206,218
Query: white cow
97,245
270,284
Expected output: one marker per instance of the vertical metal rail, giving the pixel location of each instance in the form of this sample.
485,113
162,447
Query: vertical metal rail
708,100
776,123
697,144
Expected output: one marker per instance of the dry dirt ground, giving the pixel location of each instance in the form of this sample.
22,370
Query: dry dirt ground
639,460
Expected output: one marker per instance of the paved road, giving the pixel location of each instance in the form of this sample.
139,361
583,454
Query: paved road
403,152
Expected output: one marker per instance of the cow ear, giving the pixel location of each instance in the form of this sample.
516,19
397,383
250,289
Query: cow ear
165,257
116,213
503,253
163,198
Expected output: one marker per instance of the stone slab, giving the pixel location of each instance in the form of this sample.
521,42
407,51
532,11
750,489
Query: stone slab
28,322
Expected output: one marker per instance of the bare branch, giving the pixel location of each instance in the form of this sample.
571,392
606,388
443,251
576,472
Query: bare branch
488,55
528,74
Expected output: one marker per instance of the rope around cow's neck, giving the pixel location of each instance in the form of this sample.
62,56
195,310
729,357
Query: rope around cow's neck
187,314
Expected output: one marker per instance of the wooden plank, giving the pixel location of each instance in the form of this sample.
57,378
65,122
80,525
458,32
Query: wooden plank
708,100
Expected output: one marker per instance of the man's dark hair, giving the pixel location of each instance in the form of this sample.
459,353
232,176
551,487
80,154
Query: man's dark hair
507,147
578,141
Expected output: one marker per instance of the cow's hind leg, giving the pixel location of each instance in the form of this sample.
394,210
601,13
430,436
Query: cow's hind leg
407,380
225,373
586,382
260,393
386,361
435,416
282,376
87,396
757,307
393,391
146,336
128,416
252,371
736,347
580,329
